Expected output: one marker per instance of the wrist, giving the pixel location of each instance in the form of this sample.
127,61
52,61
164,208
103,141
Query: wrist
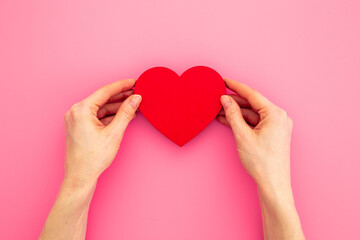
78,195
276,195
75,184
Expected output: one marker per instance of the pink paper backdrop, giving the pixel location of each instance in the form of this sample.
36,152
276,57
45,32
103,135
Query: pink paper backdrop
303,55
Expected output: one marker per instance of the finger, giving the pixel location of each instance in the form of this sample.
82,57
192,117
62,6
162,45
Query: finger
249,115
234,117
241,101
107,120
125,114
102,95
108,109
121,96
222,120
256,100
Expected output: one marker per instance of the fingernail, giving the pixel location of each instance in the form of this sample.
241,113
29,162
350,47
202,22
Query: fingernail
135,101
225,101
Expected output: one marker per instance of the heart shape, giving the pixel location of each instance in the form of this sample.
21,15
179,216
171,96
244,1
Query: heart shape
180,107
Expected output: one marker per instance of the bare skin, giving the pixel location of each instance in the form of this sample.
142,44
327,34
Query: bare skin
262,133
95,128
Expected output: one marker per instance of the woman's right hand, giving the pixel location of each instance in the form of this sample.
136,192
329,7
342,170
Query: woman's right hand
262,132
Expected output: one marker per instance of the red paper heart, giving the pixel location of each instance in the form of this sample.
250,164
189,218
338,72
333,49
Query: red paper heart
180,107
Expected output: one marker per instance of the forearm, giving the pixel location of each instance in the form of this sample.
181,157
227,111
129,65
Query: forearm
280,218
68,217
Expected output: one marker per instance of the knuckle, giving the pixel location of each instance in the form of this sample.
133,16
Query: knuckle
251,88
231,114
281,113
255,92
271,110
127,114
66,116
76,109
106,92
278,114
92,107
232,111
290,121
284,114
252,97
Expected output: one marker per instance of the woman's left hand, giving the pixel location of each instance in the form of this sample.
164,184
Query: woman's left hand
95,128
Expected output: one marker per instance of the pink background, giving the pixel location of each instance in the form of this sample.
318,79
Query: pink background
303,55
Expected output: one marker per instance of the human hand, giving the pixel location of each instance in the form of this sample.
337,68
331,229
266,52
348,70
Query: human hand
95,128
262,133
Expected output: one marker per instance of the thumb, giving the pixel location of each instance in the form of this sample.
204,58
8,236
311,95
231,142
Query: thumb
125,113
234,117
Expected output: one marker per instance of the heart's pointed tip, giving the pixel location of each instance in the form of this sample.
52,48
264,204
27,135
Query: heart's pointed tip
180,144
